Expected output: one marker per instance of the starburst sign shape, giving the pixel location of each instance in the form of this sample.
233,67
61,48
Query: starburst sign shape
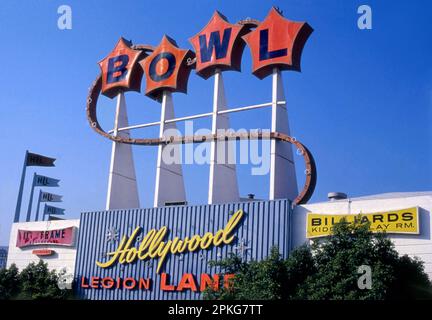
112,235
242,248
120,71
277,43
166,69
218,46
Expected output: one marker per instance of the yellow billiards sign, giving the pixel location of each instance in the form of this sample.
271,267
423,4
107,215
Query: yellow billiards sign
395,221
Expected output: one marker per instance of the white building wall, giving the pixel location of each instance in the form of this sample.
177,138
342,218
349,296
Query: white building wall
64,257
414,245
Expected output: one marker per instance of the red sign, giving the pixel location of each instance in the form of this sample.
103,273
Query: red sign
277,43
62,237
166,68
218,45
43,252
188,281
120,69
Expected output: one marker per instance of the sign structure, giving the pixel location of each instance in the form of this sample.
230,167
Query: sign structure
34,159
51,210
276,45
164,253
39,181
154,245
62,237
30,159
398,221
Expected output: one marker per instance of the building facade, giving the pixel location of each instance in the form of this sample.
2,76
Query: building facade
164,253
175,245
407,242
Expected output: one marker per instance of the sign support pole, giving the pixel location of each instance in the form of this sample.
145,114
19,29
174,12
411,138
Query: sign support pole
223,185
283,181
21,188
38,205
122,184
43,216
31,198
169,177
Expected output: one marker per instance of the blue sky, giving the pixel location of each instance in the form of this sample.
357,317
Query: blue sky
362,103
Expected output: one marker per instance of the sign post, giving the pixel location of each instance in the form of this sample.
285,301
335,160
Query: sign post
31,198
219,48
122,184
38,205
46,197
21,187
276,44
120,73
223,185
282,167
169,185
39,181
30,159
166,71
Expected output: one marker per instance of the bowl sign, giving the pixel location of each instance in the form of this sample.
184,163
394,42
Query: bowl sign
276,42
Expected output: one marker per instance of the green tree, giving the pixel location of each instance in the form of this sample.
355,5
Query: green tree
9,282
329,269
38,282
338,257
299,266
33,282
263,280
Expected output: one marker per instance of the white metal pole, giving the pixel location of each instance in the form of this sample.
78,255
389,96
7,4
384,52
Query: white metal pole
122,185
21,188
283,181
169,186
113,153
223,185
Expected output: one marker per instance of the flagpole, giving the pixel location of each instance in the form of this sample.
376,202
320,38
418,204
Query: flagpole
31,198
20,192
38,205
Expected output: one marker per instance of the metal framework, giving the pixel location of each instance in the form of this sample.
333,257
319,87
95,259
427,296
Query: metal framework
197,116
310,171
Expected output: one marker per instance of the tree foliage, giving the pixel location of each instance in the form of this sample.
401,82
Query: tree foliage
329,269
35,281
9,282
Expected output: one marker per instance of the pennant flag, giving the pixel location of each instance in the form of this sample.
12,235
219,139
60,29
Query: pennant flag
50,210
51,218
50,197
34,159
42,181
30,159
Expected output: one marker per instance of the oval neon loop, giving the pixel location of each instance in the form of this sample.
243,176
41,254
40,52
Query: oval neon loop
311,175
